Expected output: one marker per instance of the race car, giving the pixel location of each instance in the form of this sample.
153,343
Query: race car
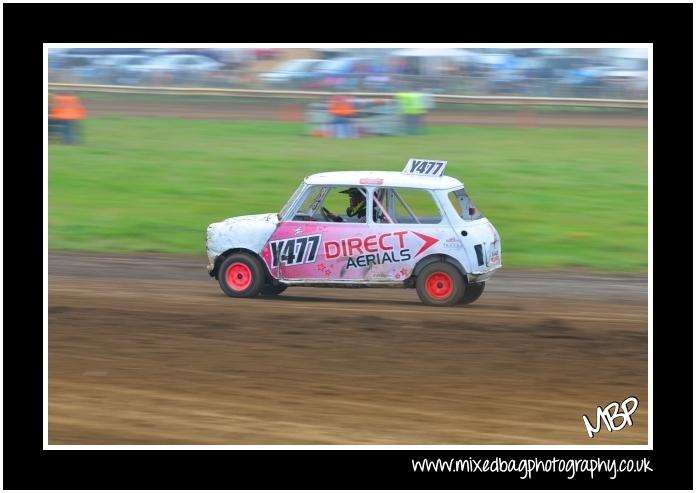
415,229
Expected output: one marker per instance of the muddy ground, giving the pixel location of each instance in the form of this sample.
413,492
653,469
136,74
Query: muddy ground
147,350
295,113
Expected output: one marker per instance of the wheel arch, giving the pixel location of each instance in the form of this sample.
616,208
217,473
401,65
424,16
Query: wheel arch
438,257
221,258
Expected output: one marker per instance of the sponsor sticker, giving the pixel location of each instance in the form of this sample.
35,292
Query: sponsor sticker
386,248
295,251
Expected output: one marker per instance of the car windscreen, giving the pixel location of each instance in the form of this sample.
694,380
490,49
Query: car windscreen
290,201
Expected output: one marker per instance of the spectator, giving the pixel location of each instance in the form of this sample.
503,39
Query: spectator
54,126
341,110
67,112
413,106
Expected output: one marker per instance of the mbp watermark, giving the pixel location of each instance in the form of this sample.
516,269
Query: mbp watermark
610,413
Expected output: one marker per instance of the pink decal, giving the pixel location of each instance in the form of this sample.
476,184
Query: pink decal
401,234
345,251
382,245
354,246
371,181
371,244
332,249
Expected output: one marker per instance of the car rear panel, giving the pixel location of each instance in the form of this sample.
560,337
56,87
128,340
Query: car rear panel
482,247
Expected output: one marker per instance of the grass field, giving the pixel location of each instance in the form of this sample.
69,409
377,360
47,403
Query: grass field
560,198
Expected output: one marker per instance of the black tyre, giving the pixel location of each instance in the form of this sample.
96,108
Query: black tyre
472,293
440,284
241,276
273,289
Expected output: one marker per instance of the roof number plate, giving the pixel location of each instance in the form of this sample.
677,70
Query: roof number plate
425,167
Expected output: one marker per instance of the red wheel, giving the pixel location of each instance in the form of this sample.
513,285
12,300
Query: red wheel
238,276
440,284
241,275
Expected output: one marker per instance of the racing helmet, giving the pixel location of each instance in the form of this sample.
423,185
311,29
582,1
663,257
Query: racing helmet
357,202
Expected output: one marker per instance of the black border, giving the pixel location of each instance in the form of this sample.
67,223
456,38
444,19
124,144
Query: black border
27,26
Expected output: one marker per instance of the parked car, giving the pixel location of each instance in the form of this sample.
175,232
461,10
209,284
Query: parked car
120,69
290,72
422,231
626,78
176,69
343,74
74,68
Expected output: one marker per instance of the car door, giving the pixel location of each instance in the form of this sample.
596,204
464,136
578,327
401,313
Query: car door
310,246
407,226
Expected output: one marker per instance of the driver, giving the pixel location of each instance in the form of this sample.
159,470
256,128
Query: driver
356,207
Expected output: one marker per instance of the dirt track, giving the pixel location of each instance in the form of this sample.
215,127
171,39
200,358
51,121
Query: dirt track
295,113
147,350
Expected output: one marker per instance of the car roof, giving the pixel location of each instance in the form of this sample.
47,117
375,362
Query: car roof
389,179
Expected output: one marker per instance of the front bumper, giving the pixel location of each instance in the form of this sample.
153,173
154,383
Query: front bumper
475,277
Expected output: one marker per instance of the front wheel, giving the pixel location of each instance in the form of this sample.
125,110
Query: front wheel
440,284
472,293
241,276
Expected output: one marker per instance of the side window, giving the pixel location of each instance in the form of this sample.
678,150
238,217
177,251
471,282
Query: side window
340,204
345,204
414,206
335,202
463,205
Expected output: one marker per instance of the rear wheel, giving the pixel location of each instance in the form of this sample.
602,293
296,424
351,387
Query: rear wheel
472,293
241,276
440,284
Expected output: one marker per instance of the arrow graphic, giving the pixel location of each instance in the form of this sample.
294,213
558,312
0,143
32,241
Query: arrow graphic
429,241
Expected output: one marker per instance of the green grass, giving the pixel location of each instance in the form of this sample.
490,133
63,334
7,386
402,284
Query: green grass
560,198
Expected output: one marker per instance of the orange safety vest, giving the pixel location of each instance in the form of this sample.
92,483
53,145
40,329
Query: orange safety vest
340,106
67,108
